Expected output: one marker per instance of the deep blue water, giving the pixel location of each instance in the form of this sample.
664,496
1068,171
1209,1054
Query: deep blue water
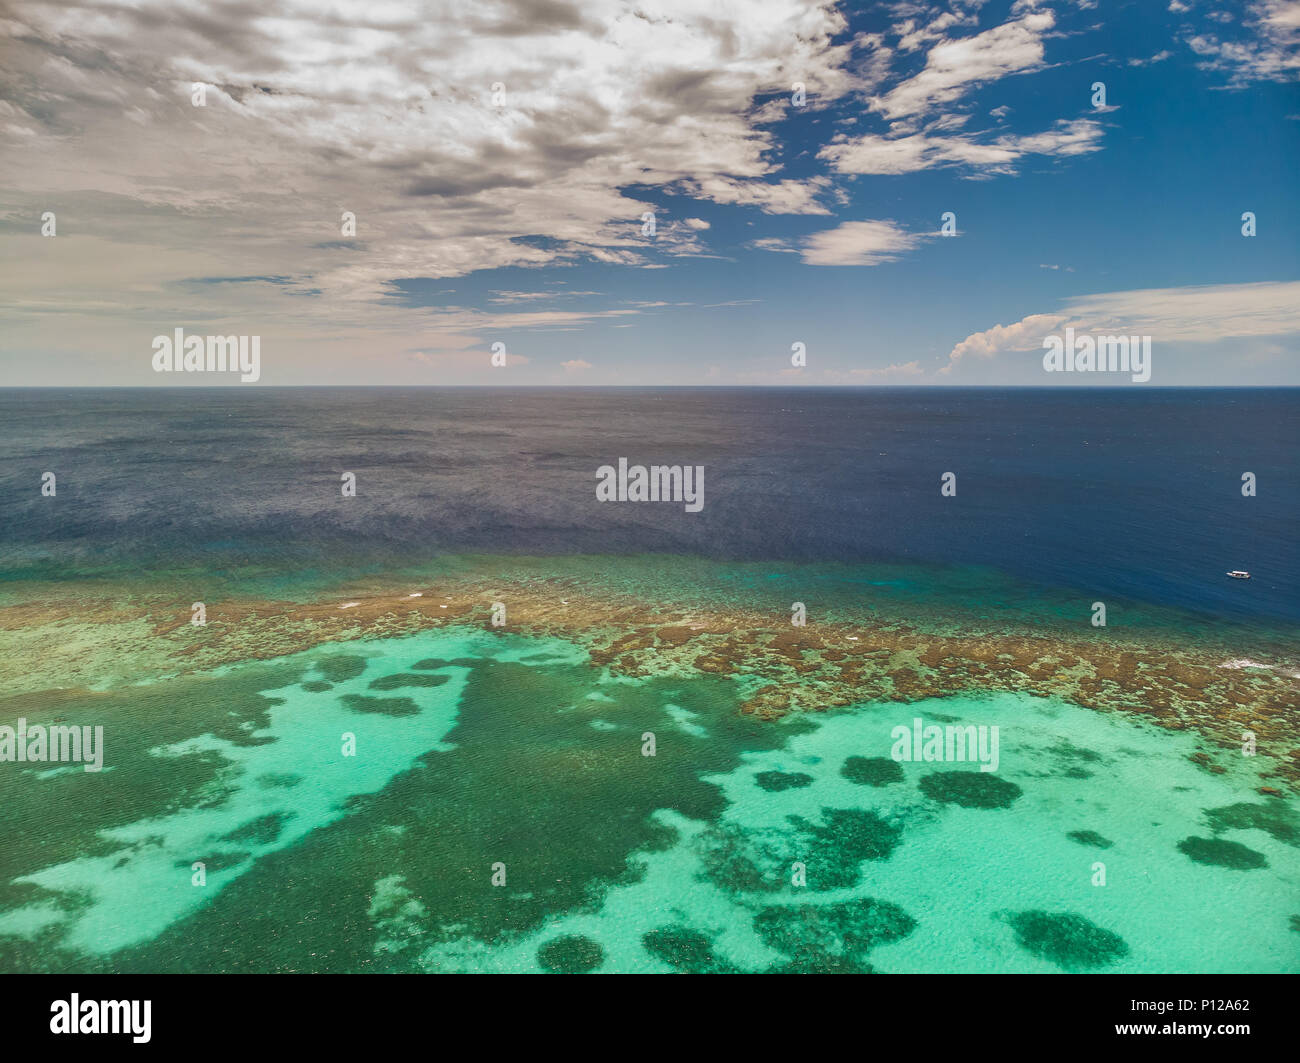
1132,492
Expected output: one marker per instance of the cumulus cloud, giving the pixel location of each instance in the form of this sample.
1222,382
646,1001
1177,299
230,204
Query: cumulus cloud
462,137
1199,314
465,138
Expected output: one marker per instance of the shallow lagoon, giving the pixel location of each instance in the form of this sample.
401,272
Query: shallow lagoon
477,749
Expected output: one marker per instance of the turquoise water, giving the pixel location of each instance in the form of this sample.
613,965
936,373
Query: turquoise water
481,756
963,886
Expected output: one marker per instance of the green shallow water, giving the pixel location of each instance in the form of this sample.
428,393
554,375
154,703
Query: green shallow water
479,755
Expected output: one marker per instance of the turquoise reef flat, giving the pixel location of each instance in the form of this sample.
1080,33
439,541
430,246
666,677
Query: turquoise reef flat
498,813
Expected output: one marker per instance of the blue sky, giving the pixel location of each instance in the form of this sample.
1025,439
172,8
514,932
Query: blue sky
498,161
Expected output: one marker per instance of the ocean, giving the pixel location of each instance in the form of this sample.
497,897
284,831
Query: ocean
1117,492
473,718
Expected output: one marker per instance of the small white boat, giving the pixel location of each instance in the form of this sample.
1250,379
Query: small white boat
1237,573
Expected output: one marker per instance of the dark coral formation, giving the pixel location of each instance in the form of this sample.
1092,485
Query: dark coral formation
834,849
970,789
1066,939
776,781
683,949
1090,838
383,706
1273,817
406,679
872,771
261,831
570,954
1221,853
831,937
341,667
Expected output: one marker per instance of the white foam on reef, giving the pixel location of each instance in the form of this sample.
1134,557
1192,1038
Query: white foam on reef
1246,662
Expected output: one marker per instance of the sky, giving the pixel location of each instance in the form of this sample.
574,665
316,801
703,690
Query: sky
1093,160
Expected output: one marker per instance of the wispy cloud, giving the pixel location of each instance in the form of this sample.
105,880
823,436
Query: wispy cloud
873,154
853,243
1264,47
955,67
898,372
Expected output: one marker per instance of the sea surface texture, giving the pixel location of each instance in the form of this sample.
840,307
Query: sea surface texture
474,719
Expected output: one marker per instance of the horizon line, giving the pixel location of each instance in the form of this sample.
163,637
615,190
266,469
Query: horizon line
651,387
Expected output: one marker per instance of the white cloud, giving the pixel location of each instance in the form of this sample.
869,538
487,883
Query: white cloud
926,112
1022,336
775,243
853,243
386,110
533,297
781,197
1200,314
897,371
955,67
874,154
575,365
913,36
1267,50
